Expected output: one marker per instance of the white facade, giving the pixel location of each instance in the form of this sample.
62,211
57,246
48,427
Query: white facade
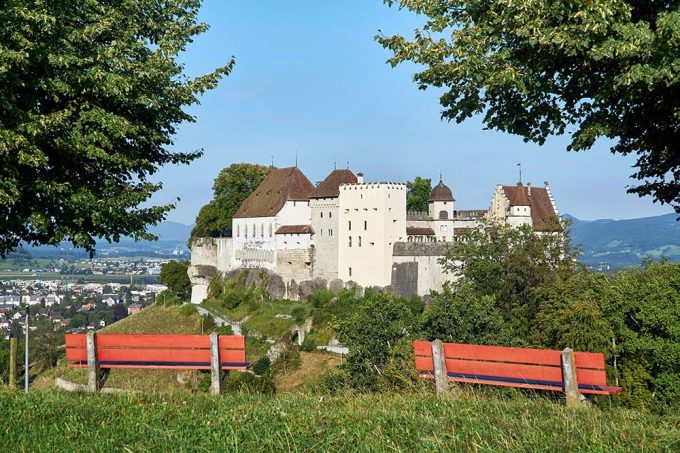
372,219
326,222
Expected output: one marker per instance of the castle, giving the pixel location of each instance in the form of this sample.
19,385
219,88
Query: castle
346,231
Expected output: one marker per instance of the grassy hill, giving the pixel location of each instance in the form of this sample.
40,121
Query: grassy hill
54,421
153,320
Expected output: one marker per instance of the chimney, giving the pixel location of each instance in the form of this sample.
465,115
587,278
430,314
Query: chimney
360,178
529,188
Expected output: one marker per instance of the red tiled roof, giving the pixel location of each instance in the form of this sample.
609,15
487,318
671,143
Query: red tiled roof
543,214
441,192
281,185
419,231
330,187
295,229
521,197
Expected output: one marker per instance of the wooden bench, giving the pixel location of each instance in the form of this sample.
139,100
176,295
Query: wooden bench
102,352
571,372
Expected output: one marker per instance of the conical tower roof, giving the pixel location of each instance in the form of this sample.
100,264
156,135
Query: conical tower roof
441,192
520,198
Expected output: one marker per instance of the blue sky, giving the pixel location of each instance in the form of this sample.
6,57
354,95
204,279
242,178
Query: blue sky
309,78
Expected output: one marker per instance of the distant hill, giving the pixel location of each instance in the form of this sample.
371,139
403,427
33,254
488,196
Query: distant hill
620,243
172,242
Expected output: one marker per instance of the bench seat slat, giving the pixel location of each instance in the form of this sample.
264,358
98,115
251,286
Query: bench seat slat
502,354
165,365
536,385
506,370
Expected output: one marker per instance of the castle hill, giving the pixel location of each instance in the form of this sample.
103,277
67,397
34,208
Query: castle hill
339,226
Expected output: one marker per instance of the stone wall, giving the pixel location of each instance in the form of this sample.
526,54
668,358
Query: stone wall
416,268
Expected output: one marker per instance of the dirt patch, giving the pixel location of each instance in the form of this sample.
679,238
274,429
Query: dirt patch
313,365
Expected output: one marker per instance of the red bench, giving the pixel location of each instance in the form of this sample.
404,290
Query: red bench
515,367
103,352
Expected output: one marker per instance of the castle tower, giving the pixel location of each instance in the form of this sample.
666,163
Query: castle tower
441,202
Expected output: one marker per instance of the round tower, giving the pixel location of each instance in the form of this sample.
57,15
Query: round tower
441,202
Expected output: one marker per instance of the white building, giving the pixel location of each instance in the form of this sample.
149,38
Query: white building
349,230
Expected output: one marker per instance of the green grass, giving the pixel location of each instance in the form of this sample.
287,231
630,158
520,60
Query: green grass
53,421
157,319
261,315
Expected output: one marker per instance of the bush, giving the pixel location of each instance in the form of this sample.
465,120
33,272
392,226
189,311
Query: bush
250,384
321,298
299,314
464,317
379,323
332,383
188,309
288,361
168,299
262,366
308,345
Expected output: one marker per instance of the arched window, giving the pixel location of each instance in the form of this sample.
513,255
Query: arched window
443,215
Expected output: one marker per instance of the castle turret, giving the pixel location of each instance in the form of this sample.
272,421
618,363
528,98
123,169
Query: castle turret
441,202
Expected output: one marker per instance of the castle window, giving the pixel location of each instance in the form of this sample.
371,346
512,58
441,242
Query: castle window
365,225
443,215
350,225
270,230
359,244
238,231
350,271
321,233
253,230
330,214
350,241
322,215
262,230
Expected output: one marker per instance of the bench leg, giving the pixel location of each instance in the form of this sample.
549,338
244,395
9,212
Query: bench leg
93,371
216,372
571,392
441,377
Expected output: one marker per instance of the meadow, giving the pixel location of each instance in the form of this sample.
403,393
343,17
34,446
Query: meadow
54,421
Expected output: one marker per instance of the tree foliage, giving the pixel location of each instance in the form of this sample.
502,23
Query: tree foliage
174,275
512,265
232,186
92,95
418,192
537,68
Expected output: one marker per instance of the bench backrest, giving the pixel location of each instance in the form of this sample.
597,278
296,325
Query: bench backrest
539,368
157,351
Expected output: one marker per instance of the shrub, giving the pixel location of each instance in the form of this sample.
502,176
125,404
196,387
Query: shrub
167,298
370,333
250,384
308,345
299,314
262,365
464,317
321,298
288,361
188,309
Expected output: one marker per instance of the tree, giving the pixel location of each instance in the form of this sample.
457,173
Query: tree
370,333
465,317
92,94
512,264
174,275
418,192
232,186
535,68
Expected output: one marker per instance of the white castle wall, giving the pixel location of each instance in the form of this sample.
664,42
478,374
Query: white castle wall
325,221
372,217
